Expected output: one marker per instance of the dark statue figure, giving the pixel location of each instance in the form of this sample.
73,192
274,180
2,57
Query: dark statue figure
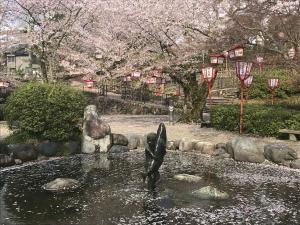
154,152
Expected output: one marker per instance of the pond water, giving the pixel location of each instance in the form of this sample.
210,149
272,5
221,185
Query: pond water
113,193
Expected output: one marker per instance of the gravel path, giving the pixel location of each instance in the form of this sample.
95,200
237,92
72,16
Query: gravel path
143,124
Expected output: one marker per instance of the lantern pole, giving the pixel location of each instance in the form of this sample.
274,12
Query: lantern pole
273,94
243,70
241,107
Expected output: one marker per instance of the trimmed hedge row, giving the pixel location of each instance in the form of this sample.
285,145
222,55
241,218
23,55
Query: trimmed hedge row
263,120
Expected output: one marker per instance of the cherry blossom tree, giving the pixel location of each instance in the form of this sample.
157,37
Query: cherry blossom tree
273,25
56,31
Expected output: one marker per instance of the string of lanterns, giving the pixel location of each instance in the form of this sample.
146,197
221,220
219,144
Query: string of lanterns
242,70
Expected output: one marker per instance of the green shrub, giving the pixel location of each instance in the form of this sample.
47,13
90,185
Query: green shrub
45,111
260,89
263,120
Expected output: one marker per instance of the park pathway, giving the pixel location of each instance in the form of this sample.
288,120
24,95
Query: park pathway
143,124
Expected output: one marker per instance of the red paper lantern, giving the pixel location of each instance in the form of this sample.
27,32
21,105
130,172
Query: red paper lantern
136,74
236,51
157,93
89,83
217,59
292,53
209,74
127,78
243,69
273,83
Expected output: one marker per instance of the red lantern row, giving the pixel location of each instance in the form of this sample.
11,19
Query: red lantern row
89,83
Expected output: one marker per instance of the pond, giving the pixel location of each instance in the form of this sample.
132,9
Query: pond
113,192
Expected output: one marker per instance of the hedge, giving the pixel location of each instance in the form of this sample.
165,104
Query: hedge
287,87
263,120
45,111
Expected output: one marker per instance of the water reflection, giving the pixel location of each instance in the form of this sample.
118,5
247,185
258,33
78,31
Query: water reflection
114,194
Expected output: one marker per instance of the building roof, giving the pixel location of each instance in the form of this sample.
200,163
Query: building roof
17,50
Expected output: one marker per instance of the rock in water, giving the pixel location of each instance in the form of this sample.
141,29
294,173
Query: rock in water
48,148
6,160
24,152
120,139
210,192
188,178
61,185
96,133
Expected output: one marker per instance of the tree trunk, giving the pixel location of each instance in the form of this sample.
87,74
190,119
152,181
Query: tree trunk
194,103
44,70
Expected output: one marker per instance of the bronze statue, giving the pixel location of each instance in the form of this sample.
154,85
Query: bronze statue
154,152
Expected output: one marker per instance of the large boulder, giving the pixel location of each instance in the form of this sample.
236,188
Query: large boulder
119,139
48,148
279,153
6,160
3,148
117,149
96,135
210,192
245,150
70,148
186,145
95,127
220,153
24,152
136,141
61,185
204,147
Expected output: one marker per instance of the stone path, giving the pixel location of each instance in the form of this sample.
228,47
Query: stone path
143,124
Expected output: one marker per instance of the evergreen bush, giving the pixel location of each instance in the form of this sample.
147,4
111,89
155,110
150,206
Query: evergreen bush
263,120
287,84
45,111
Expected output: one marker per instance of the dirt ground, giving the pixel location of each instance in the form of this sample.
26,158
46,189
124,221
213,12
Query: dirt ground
143,124
136,124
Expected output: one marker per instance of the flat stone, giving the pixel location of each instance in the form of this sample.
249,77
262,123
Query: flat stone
187,178
61,185
210,192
